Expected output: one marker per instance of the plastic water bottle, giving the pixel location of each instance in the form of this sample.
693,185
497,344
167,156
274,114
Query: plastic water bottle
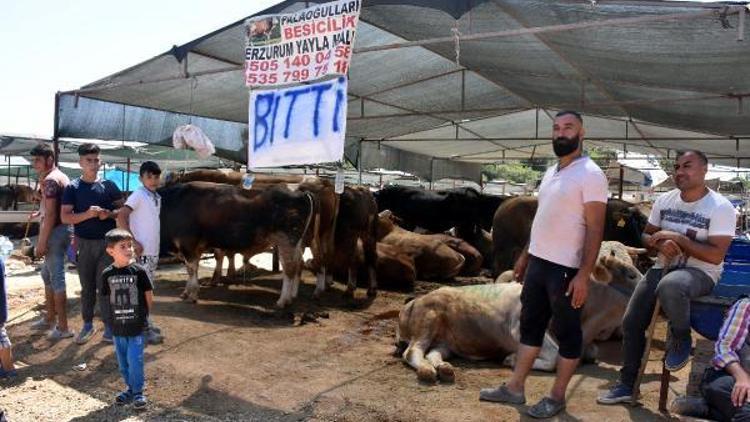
6,247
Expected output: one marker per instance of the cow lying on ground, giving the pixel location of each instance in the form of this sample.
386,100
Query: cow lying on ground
482,321
199,216
432,258
511,228
394,270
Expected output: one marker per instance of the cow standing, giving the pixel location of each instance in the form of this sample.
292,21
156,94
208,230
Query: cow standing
511,228
320,239
199,216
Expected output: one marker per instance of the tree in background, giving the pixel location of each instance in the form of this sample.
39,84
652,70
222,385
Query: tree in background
603,157
513,172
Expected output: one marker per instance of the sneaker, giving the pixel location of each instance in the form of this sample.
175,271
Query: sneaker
678,354
85,335
139,401
618,393
152,337
501,395
57,334
8,374
40,325
107,338
123,398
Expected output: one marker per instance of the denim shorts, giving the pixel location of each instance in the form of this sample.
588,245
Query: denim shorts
53,269
4,339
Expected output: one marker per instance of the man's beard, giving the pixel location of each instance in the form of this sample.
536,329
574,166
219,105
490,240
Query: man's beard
563,146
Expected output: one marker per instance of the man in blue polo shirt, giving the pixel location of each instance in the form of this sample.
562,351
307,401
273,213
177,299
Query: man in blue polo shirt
90,204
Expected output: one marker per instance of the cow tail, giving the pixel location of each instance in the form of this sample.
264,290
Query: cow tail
310,216
402,331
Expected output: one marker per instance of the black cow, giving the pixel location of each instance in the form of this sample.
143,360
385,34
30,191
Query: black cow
199,216
438,211
512,227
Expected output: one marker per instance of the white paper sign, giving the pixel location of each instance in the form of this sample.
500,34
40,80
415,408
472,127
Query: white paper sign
300,125
300,46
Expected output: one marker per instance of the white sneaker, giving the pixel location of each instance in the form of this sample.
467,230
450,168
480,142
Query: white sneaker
57,334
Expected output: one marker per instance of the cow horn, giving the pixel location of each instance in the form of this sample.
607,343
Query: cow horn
635,251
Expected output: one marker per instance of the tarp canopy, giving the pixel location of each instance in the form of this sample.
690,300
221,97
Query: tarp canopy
114,153
437,87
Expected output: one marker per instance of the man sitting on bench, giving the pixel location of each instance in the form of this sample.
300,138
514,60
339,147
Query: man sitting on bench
691,228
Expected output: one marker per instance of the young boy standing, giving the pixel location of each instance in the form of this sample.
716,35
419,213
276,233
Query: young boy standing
140,216
128,290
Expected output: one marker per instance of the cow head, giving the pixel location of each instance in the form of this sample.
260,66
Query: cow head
624,223
616,273
387,222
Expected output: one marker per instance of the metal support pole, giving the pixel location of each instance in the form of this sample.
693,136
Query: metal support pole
127,180
359,161
741,25
432,171
56,129
622,175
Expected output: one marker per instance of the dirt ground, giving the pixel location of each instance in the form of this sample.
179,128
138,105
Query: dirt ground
233,356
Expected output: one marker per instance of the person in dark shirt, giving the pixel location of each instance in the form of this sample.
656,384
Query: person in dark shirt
128,290
91,204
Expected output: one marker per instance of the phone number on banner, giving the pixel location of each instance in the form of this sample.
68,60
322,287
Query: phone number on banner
298,68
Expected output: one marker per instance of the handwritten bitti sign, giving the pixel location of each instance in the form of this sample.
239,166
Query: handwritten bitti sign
301,46
300,125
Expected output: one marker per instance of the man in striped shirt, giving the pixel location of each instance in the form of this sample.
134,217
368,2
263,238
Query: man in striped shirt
726,386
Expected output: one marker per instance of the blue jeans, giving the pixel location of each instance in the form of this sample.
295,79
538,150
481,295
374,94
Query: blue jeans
129,351
53,270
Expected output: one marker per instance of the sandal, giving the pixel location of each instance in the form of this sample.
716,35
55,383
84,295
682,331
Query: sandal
501,395
546,408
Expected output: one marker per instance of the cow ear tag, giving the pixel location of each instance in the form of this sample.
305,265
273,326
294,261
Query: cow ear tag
339,183
621,223
247,180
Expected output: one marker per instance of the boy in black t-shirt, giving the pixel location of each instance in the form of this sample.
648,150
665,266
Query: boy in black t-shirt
128,290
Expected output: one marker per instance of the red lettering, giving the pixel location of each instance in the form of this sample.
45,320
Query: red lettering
288,32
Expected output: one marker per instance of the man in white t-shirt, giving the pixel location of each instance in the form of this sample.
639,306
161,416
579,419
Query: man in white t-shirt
565,238
691,228
140,216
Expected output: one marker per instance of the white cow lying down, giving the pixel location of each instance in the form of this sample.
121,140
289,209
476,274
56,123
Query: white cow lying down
482,321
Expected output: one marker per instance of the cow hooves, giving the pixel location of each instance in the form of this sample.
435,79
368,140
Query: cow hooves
446,373
427,375
372,293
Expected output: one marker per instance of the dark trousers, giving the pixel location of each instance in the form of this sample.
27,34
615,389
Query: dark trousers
543,297
92,260
717,390
674,292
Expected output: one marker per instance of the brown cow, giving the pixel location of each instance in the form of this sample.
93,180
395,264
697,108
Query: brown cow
393,270
200,216
433,259
357,221
511,227
320,239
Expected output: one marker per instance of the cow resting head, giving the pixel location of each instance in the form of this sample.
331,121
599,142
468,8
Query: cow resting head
616,272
